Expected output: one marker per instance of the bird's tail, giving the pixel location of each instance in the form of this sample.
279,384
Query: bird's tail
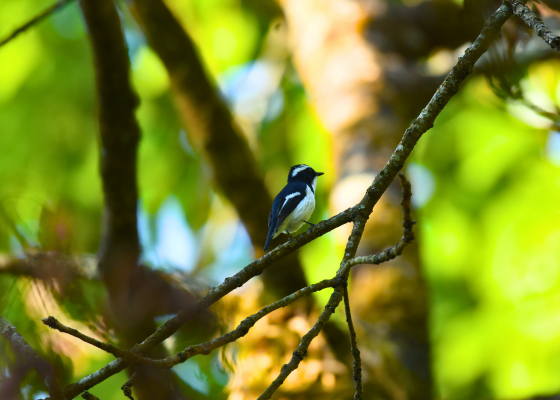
269,238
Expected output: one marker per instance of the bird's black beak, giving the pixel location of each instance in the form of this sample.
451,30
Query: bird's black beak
319,173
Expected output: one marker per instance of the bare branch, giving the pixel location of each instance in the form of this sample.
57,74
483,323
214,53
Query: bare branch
203,348
420,125
22,348
524,13
359,214
210,126
53,323
127,387
88,396
35,20
357,370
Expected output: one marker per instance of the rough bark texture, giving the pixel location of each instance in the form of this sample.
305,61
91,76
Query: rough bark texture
524,13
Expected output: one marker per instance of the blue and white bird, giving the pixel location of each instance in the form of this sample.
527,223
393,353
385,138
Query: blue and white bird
294,204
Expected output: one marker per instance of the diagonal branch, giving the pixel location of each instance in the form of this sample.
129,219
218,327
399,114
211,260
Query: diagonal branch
524,13
211,127
35,20
419,126
359,214
245,325
203,348
22,348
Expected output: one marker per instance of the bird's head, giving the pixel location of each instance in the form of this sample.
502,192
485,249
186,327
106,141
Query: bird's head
304,173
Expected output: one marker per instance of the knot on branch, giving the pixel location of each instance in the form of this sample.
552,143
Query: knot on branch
359,212
88,396
52,323
298,355
182,356
127,387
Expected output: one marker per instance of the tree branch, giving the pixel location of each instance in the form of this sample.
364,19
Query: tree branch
22,348
88,396
35,20
524,13
357,370
119,131
127,387
211,127
359,213
203,348
419,126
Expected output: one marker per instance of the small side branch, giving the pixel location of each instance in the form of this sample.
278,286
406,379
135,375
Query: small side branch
408,234
524,13
357,372
35,20
88,396
127,387
21,347
203,348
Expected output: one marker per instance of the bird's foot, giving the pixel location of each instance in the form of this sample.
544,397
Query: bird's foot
307,222
290,237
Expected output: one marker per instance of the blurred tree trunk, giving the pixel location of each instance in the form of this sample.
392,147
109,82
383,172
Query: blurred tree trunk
366,99
134,292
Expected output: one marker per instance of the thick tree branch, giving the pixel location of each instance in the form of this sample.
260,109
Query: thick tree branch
359,213
524,13
21,347
208,120
35,20
211,127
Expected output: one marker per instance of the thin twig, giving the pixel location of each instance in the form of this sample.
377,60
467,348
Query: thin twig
55,7
53,323
203,348
127,387
88,396
357,370
21,347
524,13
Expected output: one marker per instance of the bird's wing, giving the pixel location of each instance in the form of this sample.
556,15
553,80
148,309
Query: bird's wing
290,196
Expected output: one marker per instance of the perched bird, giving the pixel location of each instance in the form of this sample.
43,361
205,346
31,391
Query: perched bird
294,204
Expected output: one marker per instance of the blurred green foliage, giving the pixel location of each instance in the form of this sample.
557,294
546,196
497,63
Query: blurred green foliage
488,235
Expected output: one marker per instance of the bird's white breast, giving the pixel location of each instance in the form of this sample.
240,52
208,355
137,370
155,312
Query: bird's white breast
302,212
